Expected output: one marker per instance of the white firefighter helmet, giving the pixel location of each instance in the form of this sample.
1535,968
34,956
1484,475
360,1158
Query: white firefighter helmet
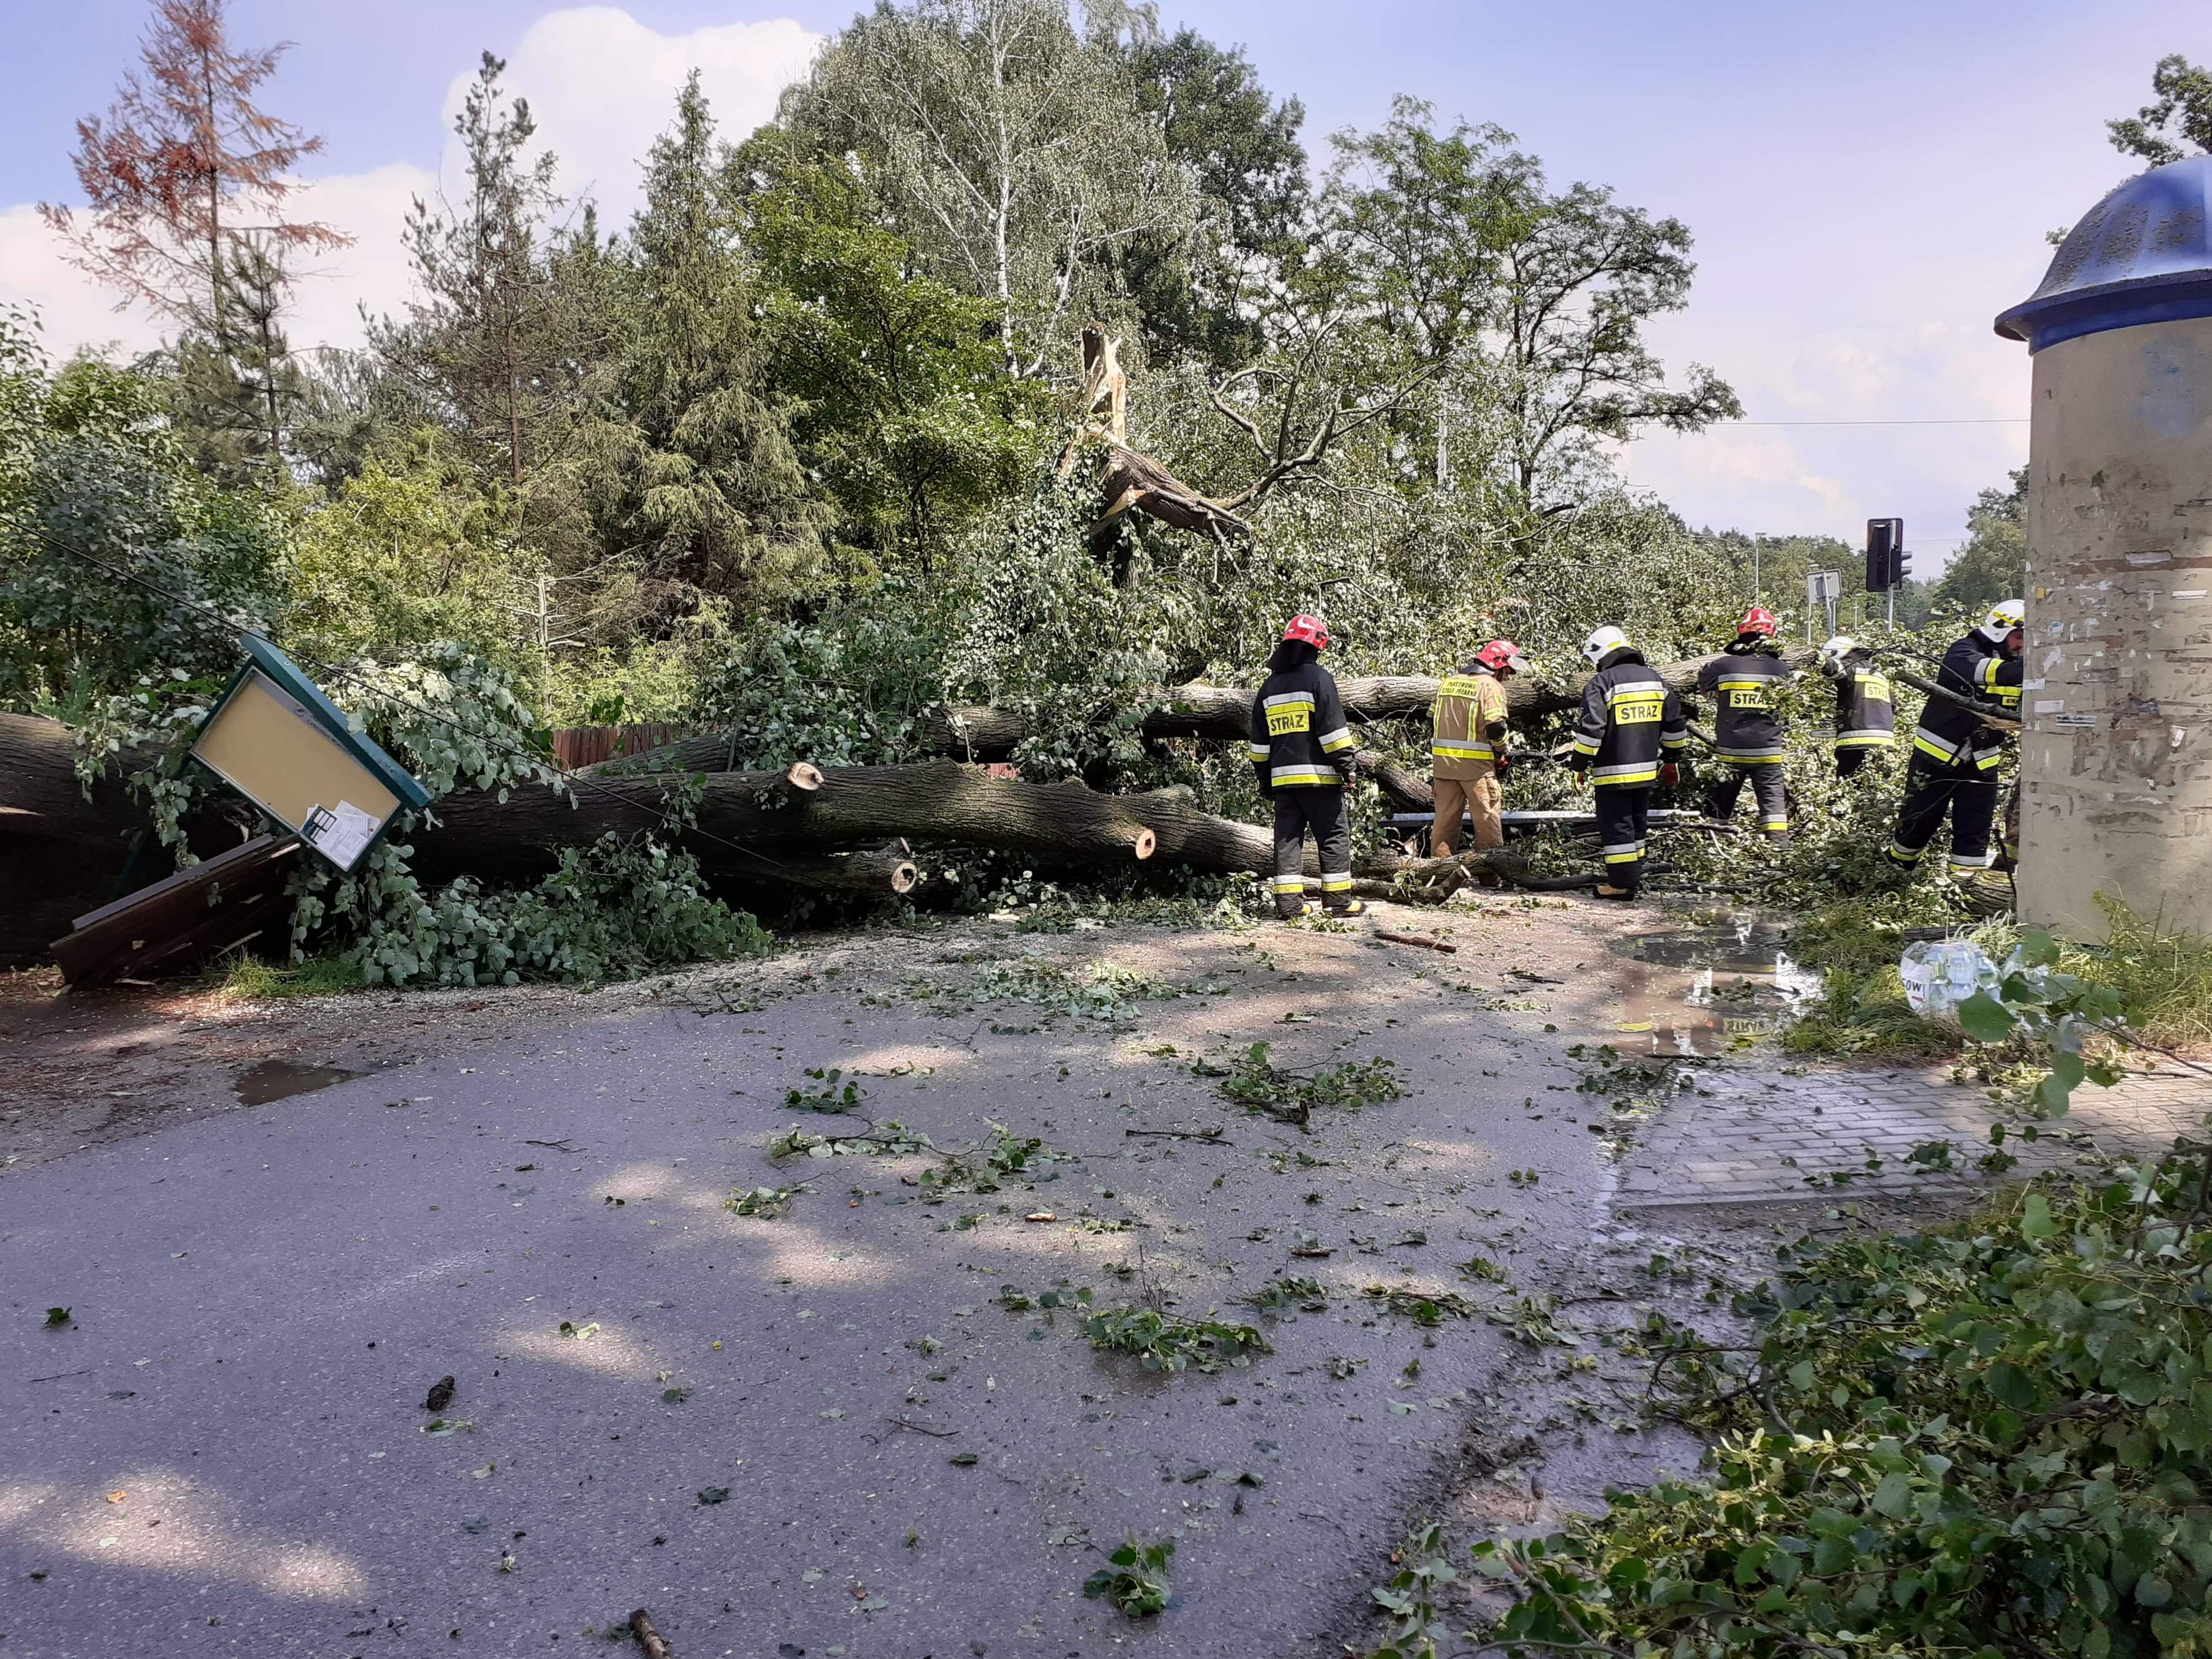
2001,619
1834,652
1599,643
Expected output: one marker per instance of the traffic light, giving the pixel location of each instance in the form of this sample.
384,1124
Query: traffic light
1885,555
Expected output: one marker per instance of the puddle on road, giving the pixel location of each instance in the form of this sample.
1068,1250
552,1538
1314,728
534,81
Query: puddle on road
274,1080
1701,990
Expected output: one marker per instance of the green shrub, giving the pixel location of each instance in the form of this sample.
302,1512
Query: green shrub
612,910
1991,1438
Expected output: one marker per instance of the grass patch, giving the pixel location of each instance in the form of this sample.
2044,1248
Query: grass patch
2164,980
251,978
1862,1014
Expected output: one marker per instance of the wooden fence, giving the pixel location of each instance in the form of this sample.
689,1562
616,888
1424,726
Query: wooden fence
588,745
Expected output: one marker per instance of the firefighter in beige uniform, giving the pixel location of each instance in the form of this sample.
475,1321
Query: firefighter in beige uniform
1468,756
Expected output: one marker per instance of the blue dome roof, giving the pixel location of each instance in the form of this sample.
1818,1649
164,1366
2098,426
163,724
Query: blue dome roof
2139,256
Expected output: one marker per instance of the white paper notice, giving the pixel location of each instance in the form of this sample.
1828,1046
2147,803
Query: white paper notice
341,834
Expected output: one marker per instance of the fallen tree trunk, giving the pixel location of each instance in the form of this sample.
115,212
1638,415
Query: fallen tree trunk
749,821
887,869
1407,790
65,851
62,846
743,829
973,732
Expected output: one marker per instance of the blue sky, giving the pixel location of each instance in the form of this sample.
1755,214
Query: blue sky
1869,184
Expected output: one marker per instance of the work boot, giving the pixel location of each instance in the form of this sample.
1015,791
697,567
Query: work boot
1349,908
1620,895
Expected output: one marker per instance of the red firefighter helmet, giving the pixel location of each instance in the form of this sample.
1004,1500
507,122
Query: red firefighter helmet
1757,620
1501,656
1309,628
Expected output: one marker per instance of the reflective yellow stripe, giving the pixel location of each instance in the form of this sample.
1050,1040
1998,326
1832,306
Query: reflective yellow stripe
1623,857
1294,777
1290,884
1336,883
1441,751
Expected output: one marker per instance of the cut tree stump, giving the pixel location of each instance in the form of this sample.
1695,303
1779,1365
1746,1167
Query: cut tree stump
886,869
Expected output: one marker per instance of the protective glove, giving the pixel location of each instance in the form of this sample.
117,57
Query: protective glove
1580,768
1501,766
1670,776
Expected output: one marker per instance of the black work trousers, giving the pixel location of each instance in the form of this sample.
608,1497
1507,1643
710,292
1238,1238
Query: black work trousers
1621,819
1322,811
1967,793
1850,763
1770,787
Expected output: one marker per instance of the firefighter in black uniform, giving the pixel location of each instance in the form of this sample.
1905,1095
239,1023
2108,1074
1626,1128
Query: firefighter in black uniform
1955,756
1627,739
1866,706
1301,753
1744,681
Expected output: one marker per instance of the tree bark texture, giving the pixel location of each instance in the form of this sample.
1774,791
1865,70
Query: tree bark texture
976,732
60,852
747,821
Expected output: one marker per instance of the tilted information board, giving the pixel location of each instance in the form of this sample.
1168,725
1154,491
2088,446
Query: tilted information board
277,740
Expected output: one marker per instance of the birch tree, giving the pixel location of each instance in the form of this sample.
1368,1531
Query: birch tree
1008,149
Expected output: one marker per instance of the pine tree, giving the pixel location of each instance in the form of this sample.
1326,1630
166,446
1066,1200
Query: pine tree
706,491
185,180
484,344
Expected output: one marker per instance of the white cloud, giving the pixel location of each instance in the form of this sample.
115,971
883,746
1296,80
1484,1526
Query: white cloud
75,309
1831,478
372,271
601,86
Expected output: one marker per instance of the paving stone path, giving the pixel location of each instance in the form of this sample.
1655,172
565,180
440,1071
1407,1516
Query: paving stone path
1755,1134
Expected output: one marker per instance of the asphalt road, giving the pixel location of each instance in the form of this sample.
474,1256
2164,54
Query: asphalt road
821,1432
